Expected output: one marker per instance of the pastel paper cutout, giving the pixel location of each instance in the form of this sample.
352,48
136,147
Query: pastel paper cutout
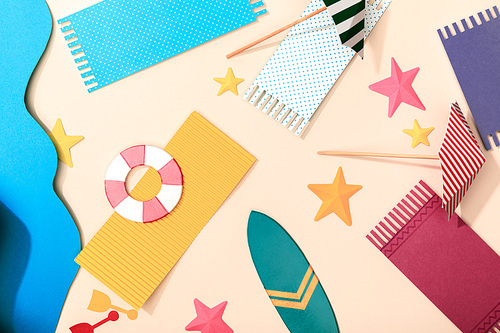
473,55
100,302
460,158
134,156
398,87
349,18
419,135
282,90
446,260
99,40
63,142
335,197
228,83
209,320
151,209
171,174
288,279
87,328
39,239
212,164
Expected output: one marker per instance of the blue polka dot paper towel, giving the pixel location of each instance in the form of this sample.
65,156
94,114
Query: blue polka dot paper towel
116,38
304,68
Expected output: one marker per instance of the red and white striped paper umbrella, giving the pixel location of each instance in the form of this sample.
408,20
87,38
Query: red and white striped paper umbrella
461,159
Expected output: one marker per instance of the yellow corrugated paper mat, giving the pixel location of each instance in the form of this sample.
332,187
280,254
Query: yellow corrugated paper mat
132,258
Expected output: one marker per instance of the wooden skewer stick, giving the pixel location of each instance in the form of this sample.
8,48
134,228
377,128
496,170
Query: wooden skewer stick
350,153
258,41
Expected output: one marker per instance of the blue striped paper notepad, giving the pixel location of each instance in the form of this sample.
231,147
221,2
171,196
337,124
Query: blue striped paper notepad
304,68
116,38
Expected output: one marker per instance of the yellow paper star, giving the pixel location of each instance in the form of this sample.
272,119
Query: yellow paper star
419,134
228,83
335,197
63,142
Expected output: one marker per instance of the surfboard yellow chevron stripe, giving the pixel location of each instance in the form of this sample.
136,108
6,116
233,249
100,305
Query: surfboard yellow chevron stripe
292,300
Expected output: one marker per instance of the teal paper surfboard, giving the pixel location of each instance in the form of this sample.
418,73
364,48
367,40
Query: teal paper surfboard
289,280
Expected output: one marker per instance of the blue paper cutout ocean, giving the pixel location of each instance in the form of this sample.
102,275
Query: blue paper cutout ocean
289,280
117,38
38,237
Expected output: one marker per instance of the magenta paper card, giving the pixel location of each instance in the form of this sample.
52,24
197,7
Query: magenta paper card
446,260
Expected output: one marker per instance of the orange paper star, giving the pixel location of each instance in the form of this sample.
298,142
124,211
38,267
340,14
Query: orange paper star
335,197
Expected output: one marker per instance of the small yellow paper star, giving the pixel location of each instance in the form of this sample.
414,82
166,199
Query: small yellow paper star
335,197
63,142
228,83
419,134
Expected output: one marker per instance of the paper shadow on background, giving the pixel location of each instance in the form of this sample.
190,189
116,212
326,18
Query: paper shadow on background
485,183
153,301
275,41
481,189
418,163
15,245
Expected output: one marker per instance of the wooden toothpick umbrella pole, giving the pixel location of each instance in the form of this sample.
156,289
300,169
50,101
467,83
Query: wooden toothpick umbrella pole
459,155
274,33
365,154
348,16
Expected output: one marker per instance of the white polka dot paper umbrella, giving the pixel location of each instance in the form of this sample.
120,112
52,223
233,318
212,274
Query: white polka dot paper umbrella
305,66
348,16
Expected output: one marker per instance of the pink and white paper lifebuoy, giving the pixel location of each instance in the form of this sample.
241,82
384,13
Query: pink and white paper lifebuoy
143,211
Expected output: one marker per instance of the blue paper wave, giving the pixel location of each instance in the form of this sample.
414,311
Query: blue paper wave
39,239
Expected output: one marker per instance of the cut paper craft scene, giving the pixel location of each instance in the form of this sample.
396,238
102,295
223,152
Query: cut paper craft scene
475,68
228,83
99,40
211,163
209,320
418,134
39,238
88,328
417,234
160,205
349,19
287,277
63,142
100,302
398,87
335,197
305,67
460,157
145,187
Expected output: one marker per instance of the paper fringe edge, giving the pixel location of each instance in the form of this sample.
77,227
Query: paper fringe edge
400,215
456,29
271,106
77,51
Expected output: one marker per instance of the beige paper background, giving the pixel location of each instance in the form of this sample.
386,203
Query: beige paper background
367,292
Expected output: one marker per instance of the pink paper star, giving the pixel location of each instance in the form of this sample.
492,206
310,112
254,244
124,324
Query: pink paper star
398,88
209,320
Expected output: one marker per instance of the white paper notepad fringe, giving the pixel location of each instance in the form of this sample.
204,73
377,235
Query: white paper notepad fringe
305,66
